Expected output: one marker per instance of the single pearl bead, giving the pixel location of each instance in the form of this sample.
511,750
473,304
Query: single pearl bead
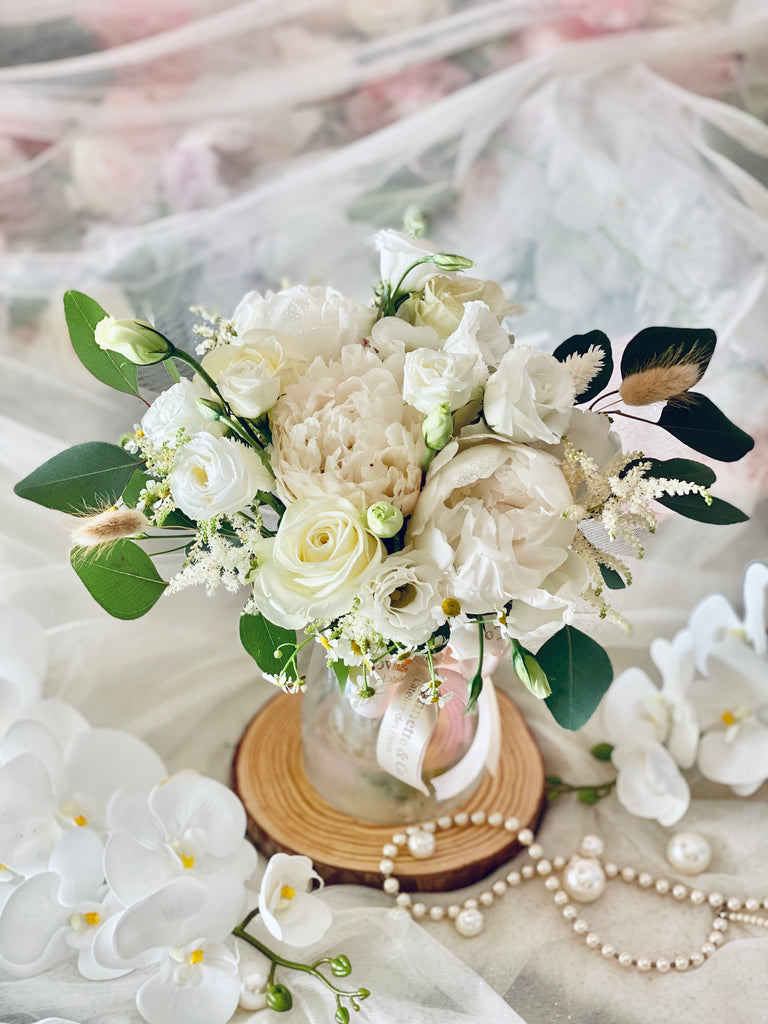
697,958
469,922
428,826
611,869
390,850
445,822
453,911
461,818
697,896
643,963
689,852
253,991
708,948
470,903
527,870
733,903
496,819
512,824
499,887
535,851
485,899
720,924
584,880
580,926
625,959
513,878
391,886
570,913
418,909
561,898
551,882
716,938
628,874
662,886
403,899
716,900
752,903
436,913
399,838
478,817
386,866
525,836
682,963
679,892
421,845
607,951
592,846
662,965
593,940
543,868
644,880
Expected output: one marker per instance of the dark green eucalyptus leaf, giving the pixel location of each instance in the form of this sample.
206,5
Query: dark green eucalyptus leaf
693,506
579,672
579,344
262,639
83,314
80,480
611,578
664,347
121,577
698,423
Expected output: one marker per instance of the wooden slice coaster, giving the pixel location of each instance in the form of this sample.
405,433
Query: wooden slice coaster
286,815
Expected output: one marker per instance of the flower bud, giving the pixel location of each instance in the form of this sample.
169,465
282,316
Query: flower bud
135,339
529,671
340,966
438,427
209,408
449,261
384,519
279,998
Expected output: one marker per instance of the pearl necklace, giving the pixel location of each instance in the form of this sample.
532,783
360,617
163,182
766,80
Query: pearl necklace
581,878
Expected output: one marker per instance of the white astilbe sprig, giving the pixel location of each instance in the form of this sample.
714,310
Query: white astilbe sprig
583,367
217,560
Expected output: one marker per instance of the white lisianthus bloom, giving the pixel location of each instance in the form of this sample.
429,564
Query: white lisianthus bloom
479,334
176,409
287,906
398,251
443,302
306,322
216,476
530,397
491,518
404,598
344,429
248,376
434,377
317,564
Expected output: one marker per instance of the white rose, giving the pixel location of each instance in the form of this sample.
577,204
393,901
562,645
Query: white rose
479,334
529,397
404,599
491,518
344,429
216,476
397,252
317,564
248,376
306,322
435,377
442,304
177,409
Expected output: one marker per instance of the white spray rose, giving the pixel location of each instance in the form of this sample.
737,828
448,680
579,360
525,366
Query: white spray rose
177,409
248,376
215,476
344,429
434,377
529,397
491,518
442,304
404,599
317,564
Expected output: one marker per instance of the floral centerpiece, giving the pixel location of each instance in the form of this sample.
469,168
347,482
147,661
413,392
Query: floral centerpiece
393,479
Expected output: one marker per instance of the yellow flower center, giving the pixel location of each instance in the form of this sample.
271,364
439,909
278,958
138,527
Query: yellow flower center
200,475
401,597
80,820
187,860
196,956
451,607
287,893
91,918
728,718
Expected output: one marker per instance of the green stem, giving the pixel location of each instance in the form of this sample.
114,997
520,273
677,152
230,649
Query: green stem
173,373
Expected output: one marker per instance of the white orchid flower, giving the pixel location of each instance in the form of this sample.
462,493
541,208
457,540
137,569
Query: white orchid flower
288,908
649,783
48,915
58,774
732,705
180,930
189,825
23,663
713,619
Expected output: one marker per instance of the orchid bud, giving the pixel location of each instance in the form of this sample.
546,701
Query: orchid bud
438,427
384,519
279,998
449,261
137,340
529,671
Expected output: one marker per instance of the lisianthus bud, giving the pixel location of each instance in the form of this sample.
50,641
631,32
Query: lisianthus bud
137,340
210,409
438,427
529,671
449,261
384,519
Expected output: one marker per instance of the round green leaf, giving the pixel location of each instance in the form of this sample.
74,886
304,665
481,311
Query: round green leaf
121,577
698,422
579,672
262,639
83,314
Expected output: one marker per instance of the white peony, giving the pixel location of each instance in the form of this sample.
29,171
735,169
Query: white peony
530,397
248,376
537,614
434,377
306,322
404,599
491,517
317,564
216,476
176,409
344,429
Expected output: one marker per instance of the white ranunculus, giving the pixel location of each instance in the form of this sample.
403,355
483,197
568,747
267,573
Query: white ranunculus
288,908
306,322
491,517
176,409
397,252
404,599
529,397
248,376
479,334
442,304
317,564
344,429
216,476
434,377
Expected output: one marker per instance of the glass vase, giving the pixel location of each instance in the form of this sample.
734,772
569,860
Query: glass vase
412,763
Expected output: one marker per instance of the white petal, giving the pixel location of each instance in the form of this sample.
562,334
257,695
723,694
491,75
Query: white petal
22,636
306,919
78,860
33,924
128,811
65,722
211,997
94,971
755,586
683,740
28,829
223,908
134,871
159,921
740,761
649,783
189,801
709,622
106,957
29,736
625,719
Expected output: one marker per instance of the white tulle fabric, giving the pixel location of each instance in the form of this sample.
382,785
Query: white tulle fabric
610,181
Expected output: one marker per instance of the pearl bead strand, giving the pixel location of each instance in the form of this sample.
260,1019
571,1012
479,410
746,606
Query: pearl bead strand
579,879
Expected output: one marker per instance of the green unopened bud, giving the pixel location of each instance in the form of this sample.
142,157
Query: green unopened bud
362,993
602,751
529,671
341,966
135,339
209,408
342,1015
438,427
449,261
384,519
279,998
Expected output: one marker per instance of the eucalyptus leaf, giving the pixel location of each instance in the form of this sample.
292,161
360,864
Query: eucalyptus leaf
698,423
82,479
121,577
579,344
271,647
83,314
579,673
660,347
611,578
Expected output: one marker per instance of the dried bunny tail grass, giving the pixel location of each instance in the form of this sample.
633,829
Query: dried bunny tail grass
108,526
584,367
659,384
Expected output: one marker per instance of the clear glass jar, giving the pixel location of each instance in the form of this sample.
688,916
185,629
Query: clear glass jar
340,751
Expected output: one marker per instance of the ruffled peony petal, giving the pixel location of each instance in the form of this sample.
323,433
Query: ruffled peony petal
134,871
190,801
78,860
649,783
33,925
210,996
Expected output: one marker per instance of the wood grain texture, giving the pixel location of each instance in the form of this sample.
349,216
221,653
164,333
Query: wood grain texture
285,814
